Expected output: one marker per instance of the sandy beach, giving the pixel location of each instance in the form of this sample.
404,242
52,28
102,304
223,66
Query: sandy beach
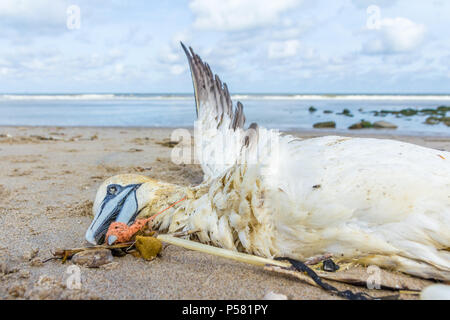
49,177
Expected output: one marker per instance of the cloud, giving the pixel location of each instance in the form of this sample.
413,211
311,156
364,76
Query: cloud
395,35
235,15
33,15
283,49
362,4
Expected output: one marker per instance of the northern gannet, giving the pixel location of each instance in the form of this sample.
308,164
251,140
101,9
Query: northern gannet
364,200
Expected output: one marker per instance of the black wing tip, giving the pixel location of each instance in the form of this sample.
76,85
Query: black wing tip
186,51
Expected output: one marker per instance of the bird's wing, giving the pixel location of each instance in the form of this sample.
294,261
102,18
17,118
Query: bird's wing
220,137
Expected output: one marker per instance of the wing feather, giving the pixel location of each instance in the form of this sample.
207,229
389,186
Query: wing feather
222,126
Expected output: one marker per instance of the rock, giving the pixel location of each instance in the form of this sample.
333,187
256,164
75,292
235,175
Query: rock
327,111
274,296
408,112
330,266
312,109
361,125
432,120
93,258
346,112
148,247
435,120
446,121
384,125
326,124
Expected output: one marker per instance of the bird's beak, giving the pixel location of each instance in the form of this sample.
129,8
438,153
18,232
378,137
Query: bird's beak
120,205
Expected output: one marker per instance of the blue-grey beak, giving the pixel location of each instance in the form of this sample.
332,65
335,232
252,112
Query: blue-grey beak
120,204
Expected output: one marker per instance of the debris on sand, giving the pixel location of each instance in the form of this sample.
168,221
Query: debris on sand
93,258
167,143
148,247
329,266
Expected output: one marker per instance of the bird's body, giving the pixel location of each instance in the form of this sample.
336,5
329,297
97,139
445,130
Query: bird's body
330,195
370,201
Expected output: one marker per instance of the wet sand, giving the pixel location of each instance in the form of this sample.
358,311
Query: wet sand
49,177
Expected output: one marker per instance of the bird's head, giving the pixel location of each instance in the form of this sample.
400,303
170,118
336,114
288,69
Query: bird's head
122,198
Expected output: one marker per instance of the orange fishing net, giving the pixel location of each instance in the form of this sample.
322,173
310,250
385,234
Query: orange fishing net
124,233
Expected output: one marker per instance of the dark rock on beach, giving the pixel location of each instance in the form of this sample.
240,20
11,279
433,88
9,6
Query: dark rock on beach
361,125
326,124
384,125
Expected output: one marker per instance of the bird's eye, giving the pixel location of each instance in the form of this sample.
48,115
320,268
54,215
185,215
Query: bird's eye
112,189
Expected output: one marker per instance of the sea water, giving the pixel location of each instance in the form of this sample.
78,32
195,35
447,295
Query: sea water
277,111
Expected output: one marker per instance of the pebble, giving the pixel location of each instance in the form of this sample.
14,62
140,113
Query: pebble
274,296
330,266
93,258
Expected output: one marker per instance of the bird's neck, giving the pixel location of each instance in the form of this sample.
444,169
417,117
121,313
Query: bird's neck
171,203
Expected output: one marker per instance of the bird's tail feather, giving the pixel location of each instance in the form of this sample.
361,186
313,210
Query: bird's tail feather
410,266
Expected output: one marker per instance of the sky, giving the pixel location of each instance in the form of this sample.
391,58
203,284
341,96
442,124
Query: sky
256,46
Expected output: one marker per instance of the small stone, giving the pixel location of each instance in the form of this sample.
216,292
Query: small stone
326,124
274,296
93,258
384,125
330,266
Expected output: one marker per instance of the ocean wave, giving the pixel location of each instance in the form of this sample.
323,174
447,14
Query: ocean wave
362,97
341,97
